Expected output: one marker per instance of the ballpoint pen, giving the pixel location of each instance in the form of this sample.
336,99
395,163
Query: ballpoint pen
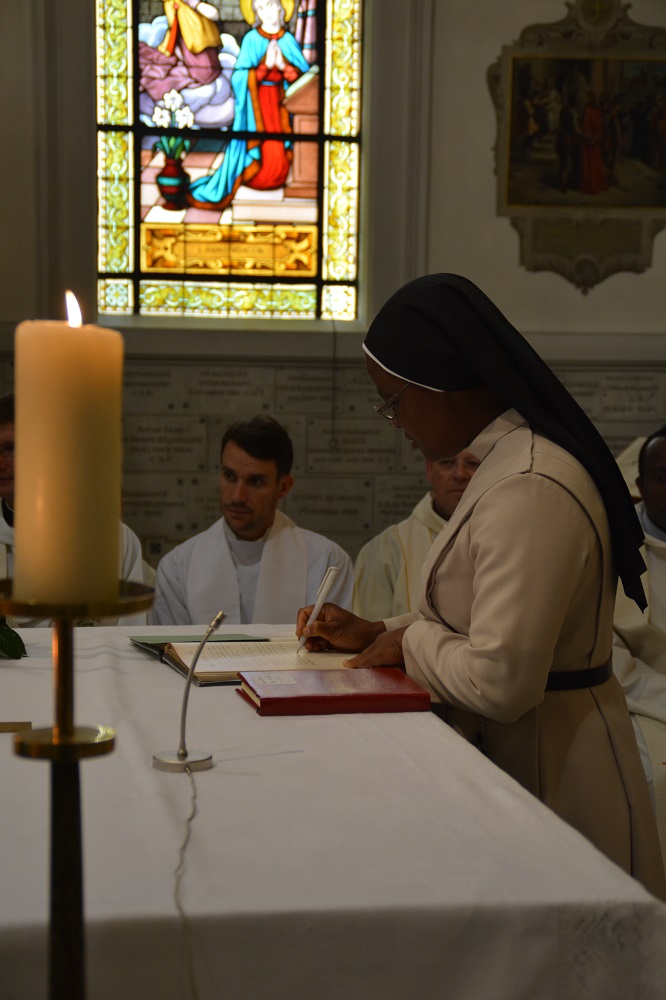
322,594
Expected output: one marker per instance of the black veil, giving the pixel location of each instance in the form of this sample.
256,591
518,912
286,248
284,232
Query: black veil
442,332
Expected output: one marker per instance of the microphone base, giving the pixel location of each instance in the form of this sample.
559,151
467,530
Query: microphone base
196,760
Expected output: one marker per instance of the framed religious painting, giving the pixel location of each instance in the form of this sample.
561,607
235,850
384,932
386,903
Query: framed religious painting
229,158
581,141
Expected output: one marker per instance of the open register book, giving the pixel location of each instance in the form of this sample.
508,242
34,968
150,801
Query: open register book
224,656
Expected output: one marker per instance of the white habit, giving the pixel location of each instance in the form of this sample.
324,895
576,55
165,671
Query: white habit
387,572
639,663
639,653
201,576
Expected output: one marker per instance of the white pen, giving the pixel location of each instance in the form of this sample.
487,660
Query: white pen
322,594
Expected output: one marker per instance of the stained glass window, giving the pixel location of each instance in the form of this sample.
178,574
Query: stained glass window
228,158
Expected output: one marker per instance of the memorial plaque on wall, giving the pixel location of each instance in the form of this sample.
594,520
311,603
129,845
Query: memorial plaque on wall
296,427
349,446
330,506
150,388
584,386
633,396
396,497
165,443
303,390
358,393
623,405
175,505
230,393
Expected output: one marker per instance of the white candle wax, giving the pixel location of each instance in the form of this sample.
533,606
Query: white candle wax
68,385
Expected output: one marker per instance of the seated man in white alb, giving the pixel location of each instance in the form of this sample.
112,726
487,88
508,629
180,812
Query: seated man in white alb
639,651
130,562
254,563
388,567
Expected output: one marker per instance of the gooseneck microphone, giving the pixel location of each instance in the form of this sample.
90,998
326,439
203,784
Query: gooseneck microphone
182,758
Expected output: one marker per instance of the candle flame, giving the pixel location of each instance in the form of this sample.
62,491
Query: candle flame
73,309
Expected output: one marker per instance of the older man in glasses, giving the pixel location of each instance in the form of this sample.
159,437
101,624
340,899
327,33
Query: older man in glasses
388,567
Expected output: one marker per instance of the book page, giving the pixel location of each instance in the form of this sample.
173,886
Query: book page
282,654
301,82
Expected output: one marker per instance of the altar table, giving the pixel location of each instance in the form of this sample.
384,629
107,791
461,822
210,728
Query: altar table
375,857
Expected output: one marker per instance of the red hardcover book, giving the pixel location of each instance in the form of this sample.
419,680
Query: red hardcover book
328,692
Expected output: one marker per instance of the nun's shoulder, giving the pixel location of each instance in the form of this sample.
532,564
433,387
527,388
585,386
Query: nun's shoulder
556,463
524,452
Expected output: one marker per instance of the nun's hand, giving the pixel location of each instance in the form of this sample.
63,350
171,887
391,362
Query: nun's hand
385,651
336,628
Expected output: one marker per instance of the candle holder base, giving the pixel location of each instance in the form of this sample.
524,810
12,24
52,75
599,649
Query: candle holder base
195,760
48,744
131,597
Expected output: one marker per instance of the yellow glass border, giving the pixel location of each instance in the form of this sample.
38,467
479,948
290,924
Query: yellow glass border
114,62
340,241
115,193
227,300
339,302
342,109
115,296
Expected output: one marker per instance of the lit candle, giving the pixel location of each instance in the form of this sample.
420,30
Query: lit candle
68,385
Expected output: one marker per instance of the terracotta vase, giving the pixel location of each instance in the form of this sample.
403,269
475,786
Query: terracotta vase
173,182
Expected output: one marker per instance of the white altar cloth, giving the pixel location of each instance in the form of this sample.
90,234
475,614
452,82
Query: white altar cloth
331,858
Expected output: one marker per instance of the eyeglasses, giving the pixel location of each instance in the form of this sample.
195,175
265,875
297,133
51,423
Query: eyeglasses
388,407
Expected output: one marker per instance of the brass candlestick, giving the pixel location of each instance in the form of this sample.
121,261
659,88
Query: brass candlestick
65,745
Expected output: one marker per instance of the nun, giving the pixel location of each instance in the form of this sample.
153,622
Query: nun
514,632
